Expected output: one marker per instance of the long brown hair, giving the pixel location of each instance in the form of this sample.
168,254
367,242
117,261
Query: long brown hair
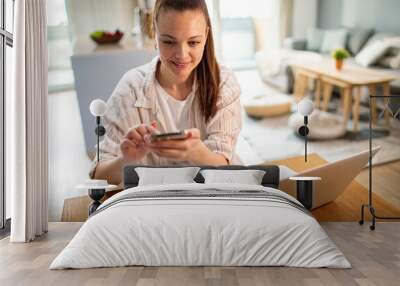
207,71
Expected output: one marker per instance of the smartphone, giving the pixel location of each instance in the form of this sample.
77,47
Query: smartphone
169,135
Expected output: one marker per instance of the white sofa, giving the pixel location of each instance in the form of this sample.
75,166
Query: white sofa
275,70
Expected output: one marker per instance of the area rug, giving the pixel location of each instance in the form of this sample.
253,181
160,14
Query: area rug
271,138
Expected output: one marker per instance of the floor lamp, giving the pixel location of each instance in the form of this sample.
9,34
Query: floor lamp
98,188
370,204
304,185
305,108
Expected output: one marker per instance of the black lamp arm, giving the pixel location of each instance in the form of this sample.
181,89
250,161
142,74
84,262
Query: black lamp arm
303,131
305,137
100,131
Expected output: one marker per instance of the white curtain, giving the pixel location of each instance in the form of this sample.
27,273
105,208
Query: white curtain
273,27
285,20
28,123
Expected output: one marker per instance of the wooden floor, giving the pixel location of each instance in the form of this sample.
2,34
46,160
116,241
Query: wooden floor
374,255
385,181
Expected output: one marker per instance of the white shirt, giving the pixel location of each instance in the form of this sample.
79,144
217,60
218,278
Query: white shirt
134,102
176,112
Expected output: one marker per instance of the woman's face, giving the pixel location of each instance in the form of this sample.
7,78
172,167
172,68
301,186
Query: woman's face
181,37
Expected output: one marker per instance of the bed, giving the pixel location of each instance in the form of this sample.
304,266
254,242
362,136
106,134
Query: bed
201,223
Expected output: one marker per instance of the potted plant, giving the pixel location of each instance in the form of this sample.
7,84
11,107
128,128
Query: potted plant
339,55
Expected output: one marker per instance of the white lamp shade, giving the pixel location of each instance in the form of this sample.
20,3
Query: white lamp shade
95,184
305,107
98,107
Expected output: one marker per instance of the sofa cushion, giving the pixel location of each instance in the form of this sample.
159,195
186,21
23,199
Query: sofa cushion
371,53
295,44
333,39
395,62
356,38
390,61
378,47
394,51
314,39
380,36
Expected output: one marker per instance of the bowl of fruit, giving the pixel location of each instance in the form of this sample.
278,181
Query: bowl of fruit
105,37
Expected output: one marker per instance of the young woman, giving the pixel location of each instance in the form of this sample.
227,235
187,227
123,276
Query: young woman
182,89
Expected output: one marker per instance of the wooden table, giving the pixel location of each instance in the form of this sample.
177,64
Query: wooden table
76,209
350,78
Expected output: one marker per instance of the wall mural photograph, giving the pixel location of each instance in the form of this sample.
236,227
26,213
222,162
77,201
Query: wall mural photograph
176,141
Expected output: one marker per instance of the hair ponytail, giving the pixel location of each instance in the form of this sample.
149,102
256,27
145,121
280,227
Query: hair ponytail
207,71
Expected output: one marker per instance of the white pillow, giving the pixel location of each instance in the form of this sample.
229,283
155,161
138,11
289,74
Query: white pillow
372,53
333,39
392,62
163,176
248,177
392,41
314,39
395,62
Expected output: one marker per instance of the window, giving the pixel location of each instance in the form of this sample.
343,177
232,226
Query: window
59,47
6,43
241,30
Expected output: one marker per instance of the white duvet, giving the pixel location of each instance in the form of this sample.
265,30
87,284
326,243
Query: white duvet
190,230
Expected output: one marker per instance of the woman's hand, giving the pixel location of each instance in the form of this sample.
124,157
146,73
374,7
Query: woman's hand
178,149
134,147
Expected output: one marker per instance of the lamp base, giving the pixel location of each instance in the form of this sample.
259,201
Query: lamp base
96,195
305,190
305,193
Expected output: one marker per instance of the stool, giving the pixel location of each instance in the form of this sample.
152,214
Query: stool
268,106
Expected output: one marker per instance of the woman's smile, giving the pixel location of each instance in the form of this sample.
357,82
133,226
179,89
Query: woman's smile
180,65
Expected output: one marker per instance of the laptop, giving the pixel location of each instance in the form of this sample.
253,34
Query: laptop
335,177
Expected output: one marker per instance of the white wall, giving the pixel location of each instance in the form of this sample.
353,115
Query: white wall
360,13
86,16
304,17
380,15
